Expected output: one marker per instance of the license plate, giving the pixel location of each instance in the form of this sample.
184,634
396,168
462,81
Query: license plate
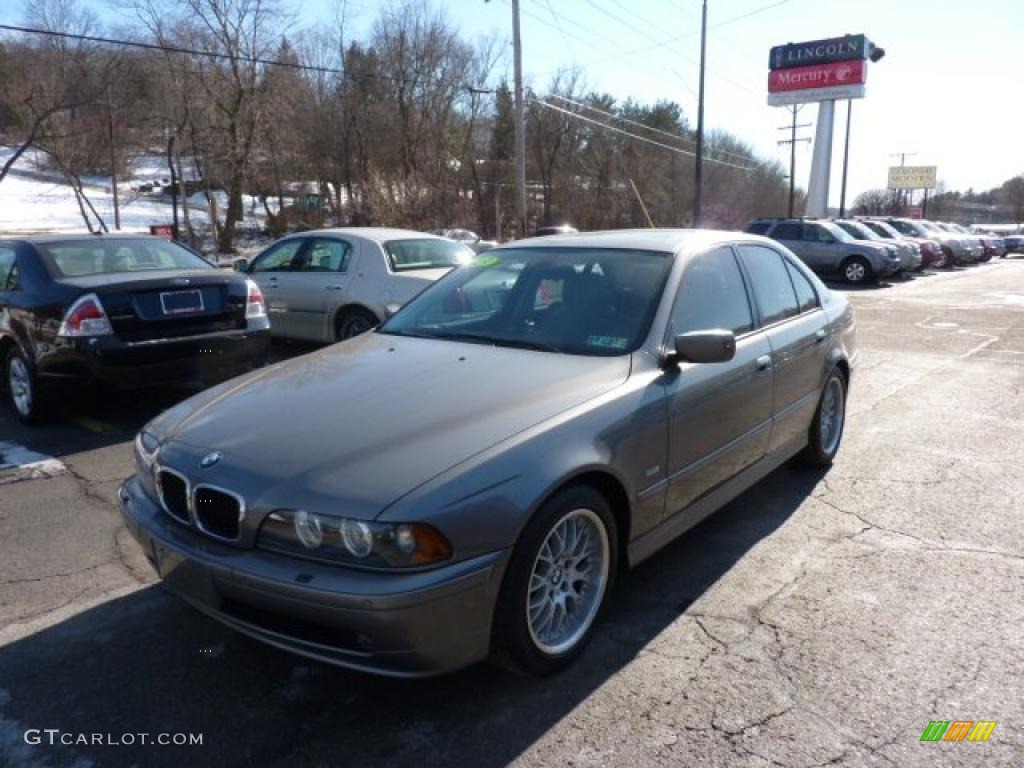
181,302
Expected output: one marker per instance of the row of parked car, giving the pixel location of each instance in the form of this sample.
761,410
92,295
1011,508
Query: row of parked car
861,250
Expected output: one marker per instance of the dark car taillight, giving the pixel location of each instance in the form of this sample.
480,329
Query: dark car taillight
85,318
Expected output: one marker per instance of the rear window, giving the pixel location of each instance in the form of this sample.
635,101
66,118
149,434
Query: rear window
426,253
96,256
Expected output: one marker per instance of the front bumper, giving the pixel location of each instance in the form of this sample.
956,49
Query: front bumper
111,361
398,624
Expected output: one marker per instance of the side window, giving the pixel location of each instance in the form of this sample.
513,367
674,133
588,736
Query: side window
278,258
819,234
758,227
788,231
805,294
326,256
8,269
770,282
712,295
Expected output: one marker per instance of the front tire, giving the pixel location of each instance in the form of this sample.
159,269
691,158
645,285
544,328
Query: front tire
857,270
557,582
28,399
826,431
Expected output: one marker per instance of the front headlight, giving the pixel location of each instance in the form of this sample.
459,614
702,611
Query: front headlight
354,542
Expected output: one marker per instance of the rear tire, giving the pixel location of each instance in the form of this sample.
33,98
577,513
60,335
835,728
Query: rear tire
30,401
353,322
826,431
557,582
856,270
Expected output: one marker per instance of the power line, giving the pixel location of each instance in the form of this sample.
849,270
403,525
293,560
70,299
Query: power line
165,48
622,119
599,124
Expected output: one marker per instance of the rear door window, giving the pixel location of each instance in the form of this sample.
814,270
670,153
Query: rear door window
805,293
788,231
770,282
326,255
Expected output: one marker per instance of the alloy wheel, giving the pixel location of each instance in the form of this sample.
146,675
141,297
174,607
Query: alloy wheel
20,383
855,272
568,581
833,414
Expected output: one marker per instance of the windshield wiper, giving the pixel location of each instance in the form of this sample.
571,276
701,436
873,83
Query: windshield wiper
499,341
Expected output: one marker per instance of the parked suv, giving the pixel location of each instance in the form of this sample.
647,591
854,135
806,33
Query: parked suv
910,253
828,250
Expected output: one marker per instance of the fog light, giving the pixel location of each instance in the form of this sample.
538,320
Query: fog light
308,529
357,536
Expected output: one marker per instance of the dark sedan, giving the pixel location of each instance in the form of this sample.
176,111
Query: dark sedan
120,310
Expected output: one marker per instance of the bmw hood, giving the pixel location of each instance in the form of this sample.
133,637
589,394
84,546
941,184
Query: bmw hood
352,428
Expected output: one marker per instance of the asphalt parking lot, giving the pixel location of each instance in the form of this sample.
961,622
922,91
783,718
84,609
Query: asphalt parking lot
817,620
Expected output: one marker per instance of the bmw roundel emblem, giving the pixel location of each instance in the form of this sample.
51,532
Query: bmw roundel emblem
210,459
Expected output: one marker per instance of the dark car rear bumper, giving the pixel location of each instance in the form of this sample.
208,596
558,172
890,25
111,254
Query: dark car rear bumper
401,624
112,361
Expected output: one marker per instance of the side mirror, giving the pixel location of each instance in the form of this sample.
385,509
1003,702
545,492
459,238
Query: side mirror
240,265
714,346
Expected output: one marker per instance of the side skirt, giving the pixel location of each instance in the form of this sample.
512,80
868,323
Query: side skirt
665,532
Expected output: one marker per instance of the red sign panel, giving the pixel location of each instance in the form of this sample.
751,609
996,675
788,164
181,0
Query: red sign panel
829,75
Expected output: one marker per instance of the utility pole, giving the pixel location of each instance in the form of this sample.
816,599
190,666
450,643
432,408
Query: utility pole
792,140
520,129
846,158
698,174
113,160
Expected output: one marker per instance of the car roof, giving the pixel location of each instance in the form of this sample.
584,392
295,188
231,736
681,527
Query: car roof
60,238
666,240
376,234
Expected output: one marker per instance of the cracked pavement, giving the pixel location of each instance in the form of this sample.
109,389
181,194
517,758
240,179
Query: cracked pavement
819,619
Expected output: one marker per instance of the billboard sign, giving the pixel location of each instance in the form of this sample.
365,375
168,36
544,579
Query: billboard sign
846,48
805,95
818,76
912,177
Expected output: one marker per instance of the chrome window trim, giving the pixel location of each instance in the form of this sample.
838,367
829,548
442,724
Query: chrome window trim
157,469
195,516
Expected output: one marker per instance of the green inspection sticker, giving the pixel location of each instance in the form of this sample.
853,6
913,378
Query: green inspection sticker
485,261
612,342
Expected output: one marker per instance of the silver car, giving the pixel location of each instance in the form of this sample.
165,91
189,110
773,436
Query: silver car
333,284
467,480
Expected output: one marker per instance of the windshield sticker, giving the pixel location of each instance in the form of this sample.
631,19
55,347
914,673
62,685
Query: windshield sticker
485,261
611,342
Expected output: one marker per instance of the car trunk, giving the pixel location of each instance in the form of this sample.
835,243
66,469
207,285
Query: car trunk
168,304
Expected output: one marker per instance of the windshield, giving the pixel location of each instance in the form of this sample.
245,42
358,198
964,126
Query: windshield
426,253
857,229
584,301
96,256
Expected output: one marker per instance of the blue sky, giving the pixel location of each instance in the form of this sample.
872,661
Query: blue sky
949,89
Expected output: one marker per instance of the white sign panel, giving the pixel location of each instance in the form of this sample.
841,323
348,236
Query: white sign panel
836,93
912,177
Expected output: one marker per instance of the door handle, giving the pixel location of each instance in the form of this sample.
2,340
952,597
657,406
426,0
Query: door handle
764,362
334,288
819,336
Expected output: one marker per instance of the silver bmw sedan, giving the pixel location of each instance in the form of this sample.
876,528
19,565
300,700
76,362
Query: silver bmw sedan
467,480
